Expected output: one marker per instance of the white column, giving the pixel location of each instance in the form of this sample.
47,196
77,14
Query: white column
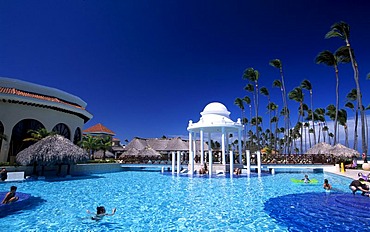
201,147
178,162
194,146
248,158
223,146
240,146
259,162
191,154
210,167
173,162
231,163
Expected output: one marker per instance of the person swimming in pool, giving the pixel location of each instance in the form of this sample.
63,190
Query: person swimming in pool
306,179
10,196
100,213
326,185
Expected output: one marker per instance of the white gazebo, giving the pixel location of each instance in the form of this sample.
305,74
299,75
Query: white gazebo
215,121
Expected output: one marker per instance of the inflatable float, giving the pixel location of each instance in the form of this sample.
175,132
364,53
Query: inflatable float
298,181
22,202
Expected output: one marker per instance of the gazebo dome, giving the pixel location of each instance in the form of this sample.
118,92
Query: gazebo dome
214,117
216,108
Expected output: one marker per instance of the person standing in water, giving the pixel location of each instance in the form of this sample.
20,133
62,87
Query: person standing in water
100,213
326,185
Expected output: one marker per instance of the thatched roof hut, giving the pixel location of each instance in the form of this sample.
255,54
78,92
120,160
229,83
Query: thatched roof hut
320,148
343,151
54,149
99,154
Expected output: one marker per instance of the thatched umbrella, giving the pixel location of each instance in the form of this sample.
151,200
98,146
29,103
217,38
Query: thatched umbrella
100,154
343,151
149,152
132,152
54,149
320,148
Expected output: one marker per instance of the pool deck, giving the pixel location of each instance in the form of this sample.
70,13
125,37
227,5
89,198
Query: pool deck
350,173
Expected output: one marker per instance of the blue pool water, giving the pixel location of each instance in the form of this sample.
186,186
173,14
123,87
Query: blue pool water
151,201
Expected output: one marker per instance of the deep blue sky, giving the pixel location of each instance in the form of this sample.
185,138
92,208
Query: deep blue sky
145,68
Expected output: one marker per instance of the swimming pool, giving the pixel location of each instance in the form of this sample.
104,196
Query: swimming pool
151,201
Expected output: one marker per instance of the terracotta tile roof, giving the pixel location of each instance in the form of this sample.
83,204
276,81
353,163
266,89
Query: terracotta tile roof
99,129
22,93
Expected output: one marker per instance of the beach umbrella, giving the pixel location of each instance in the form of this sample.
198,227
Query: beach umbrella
343,151
320,148
54,149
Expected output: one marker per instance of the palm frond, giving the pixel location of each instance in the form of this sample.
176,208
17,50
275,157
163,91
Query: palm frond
276,63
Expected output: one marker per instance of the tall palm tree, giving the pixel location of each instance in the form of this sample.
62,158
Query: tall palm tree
320,112
264,91
332,60
253,76
297,95
341,30
247,101
276,63
239,103
342,118
331,111
306,125
352,97
306,84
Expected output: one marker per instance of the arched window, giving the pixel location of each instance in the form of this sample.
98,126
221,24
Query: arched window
77,137
2,136
19,133
62,129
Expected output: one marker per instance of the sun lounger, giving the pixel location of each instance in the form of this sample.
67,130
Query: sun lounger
15,176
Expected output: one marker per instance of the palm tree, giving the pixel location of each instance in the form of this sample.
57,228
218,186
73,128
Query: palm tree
320,112
306,125
352,97
297,95
342,118
284,110
105,143
239,102
37,135
330,59
331,111
306,84
90,144
264,91
276,63
253,75
3,137
342,31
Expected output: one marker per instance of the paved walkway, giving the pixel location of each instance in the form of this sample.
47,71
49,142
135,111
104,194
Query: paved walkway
351,173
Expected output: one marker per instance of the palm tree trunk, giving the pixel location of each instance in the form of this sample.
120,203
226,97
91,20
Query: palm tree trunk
359,99
336,106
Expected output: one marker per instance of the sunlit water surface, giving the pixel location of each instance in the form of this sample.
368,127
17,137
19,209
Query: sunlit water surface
151,201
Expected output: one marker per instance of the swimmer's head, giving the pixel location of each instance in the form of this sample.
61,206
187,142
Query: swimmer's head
100,209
